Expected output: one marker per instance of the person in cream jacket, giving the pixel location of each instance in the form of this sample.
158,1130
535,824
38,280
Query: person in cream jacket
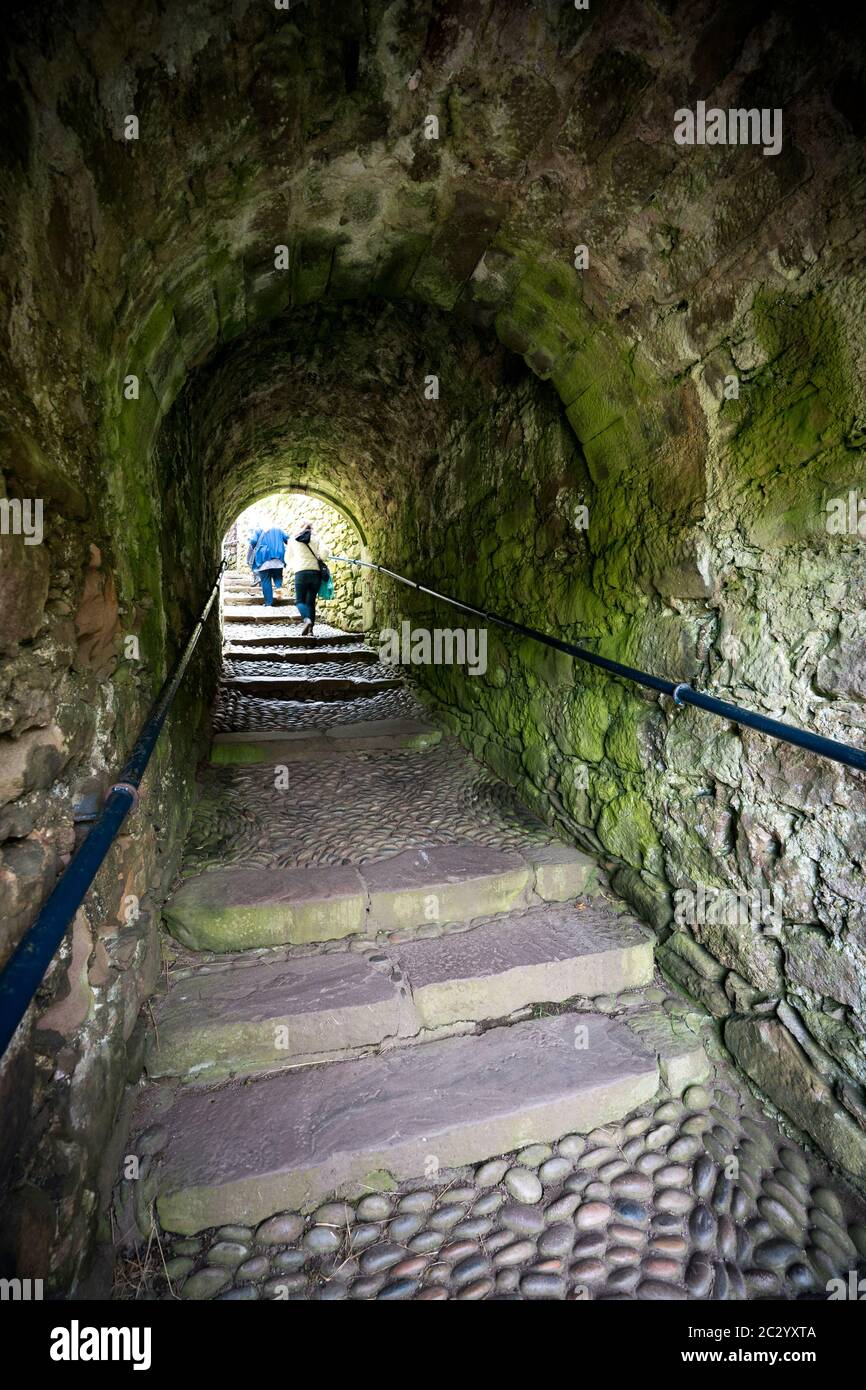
302,558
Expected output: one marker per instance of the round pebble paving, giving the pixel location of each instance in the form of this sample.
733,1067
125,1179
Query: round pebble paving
280,1230
523,1185
489,1174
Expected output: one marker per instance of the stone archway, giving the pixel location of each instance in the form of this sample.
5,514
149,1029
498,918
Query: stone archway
336,532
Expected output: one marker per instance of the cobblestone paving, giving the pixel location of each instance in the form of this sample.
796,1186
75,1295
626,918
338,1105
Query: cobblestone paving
319,670
701,1197
364,807
280,632
698,1198
287,648
238,713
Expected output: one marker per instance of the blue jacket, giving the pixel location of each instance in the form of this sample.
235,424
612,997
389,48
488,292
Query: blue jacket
271,545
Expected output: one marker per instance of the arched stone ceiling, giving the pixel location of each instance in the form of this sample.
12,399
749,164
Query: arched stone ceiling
332,398
261,128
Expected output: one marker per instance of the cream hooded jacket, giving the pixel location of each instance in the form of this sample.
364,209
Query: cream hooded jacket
303,557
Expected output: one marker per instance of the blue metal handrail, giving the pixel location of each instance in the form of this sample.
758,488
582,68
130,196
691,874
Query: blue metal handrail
24,972
681,692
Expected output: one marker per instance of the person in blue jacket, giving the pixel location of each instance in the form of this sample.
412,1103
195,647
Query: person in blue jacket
251,550
269,559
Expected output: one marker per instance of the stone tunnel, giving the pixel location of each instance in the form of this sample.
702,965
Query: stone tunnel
560,307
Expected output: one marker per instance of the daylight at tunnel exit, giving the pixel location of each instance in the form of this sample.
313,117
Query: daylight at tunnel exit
433,668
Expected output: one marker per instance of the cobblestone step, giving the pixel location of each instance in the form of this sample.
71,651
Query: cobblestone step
242,1151
311,687
304,656
245,598
241,642
237,908
281,746
260,613
247,1017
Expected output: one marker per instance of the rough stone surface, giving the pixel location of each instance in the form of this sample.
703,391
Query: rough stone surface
461,881
775,1061
261,1017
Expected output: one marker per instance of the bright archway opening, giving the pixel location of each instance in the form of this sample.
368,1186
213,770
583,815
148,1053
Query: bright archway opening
334,533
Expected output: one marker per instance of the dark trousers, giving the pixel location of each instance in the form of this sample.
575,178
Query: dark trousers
306,589
271,579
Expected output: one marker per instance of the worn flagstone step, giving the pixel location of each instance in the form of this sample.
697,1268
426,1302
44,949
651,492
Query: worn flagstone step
244,599
311,687
282,745
242,583
236,908
264,1016
306,656
284,1142
248,1017
547,954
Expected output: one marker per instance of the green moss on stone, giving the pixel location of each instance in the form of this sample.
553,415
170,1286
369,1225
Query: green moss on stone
625,828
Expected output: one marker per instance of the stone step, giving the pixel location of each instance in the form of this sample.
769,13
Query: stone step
245,587
237,908
311,687
263,1017
260,613
244,598
306,656
247,1017
241,642
241,1152
285,746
